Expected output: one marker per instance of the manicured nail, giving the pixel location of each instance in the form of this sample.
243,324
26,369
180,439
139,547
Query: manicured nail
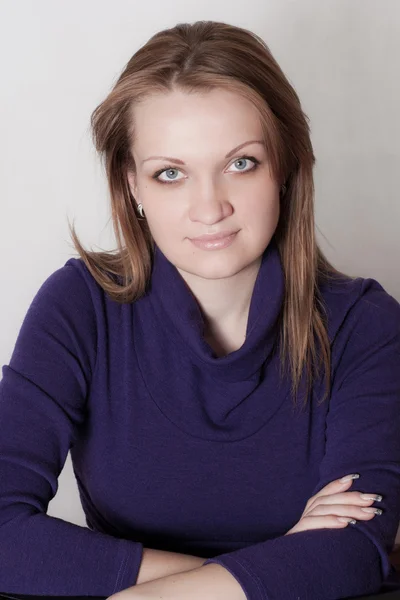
347,520
369,509
348,477
376,497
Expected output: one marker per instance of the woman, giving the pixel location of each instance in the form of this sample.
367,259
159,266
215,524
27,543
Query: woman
216,377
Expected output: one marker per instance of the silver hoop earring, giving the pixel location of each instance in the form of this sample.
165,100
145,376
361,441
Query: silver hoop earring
140,210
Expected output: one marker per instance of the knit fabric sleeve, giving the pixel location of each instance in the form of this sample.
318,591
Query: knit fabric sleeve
43,394
362,436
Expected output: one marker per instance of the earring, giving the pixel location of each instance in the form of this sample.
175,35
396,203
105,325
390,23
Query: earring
140,210
283,189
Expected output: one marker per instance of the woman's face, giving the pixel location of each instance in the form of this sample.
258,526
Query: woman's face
208,187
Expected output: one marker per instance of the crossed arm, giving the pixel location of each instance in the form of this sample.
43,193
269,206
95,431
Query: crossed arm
210,581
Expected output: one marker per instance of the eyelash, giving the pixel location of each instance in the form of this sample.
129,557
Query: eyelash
158,173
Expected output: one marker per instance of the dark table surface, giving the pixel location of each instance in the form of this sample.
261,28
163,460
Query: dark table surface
387,595
393,595
30,597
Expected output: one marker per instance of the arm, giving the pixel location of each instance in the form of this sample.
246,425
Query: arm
212,582
159,563
362,436
42,405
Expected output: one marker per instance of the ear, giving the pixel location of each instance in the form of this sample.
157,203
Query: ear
132,183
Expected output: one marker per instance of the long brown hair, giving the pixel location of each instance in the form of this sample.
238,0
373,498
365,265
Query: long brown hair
203,56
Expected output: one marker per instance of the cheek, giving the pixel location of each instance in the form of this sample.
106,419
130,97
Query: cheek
260,208
165,220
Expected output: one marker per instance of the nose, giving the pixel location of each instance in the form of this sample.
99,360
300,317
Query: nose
210,204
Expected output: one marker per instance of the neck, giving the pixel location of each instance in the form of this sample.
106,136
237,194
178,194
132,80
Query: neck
225,305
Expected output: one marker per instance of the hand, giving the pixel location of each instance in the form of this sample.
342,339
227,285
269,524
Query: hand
324,509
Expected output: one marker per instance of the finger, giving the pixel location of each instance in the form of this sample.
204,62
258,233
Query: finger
342,510
319,522
331,488
351,498
345,498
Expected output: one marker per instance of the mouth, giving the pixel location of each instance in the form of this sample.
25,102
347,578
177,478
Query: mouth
215,241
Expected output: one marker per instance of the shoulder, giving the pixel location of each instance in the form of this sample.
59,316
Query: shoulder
364,331
360,306
72,282
68,295
365,374
61,321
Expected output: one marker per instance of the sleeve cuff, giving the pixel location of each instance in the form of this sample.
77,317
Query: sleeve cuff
250,582
132,553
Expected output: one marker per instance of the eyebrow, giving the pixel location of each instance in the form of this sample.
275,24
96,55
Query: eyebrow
180,162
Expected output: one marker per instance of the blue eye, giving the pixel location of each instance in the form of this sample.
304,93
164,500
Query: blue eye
169,169
252,158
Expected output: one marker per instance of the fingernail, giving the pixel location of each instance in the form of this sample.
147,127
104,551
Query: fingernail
369,509
348,477
376,497
347,520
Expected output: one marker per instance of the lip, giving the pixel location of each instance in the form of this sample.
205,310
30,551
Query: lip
215,241
213,237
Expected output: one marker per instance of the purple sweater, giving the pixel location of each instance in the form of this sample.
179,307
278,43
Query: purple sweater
176,449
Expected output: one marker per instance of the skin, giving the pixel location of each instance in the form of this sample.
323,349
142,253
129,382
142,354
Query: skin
208,194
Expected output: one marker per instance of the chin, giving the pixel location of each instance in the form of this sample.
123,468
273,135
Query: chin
214,267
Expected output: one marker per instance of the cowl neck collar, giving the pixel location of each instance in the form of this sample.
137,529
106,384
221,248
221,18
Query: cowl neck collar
215,398
185,322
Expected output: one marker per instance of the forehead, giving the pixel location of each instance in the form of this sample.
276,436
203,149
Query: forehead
218,116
